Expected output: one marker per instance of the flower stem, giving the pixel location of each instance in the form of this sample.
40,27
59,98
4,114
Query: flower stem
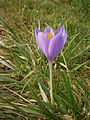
51,89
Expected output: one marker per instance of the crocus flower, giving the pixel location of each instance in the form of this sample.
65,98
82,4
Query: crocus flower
49,42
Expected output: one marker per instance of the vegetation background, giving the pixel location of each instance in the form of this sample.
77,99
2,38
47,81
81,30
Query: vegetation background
24,70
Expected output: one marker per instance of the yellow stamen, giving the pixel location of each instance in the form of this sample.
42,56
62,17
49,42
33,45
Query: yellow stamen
49,34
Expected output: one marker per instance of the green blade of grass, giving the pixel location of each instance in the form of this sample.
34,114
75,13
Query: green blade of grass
4,62
8,79
70,42
83,87
43,93
40,112
7,26
79,66
69,90
14,106
32,88
79,53
41,83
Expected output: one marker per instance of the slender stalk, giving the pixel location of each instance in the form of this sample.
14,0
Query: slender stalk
51,89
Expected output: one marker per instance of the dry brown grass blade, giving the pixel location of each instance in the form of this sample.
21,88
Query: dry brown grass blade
30,73
24,99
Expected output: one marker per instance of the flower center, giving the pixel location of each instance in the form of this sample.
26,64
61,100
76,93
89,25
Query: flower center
49,34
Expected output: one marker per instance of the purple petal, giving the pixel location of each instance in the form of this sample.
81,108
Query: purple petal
63,30
56,44
36,36
59,30
48,30
36,32
43,43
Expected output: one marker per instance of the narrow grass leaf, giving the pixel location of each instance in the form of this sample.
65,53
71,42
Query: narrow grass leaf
79,66
82,51
69,88
63,65
32,88
77,45
41,83
7,26
41,112
14,106
43,93
8,79
64,61
6,64
83,87
70,42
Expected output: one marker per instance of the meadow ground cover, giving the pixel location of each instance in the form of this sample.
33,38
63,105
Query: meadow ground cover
24,70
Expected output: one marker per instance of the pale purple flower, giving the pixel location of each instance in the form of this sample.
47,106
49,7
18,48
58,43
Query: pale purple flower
49,42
